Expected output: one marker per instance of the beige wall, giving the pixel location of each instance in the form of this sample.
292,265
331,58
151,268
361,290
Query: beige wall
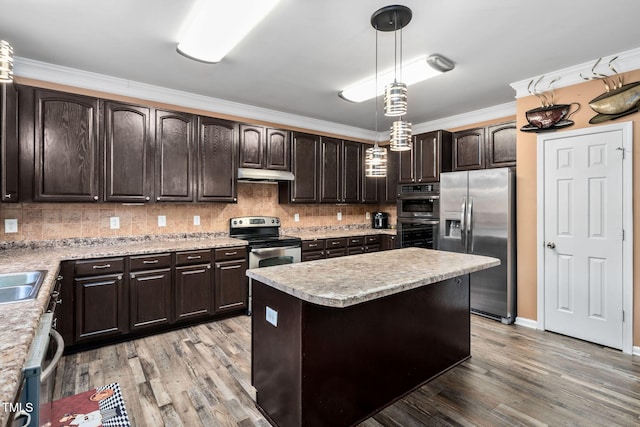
527,197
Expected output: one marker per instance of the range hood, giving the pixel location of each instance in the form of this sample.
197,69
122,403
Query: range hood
263,175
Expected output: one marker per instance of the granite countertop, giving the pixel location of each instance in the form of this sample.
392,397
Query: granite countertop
346,281
332,234
19,320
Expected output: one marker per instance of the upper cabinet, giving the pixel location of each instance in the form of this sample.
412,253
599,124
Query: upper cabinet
264,148
66,147
430,155
217,165
340,171
501,145
9,154
128,148
305,151
486,147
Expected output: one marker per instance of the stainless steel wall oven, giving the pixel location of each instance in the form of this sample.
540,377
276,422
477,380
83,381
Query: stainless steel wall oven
418,215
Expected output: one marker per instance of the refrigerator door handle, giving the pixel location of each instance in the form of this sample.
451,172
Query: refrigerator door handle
470,225
463,224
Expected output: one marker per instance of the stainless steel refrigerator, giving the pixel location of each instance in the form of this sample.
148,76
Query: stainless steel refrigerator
477,216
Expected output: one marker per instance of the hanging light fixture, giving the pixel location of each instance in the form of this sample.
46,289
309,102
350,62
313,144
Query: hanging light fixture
6,62
375,160
400,135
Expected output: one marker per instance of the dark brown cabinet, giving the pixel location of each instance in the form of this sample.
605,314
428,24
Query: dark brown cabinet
128,148
100,303
231,285
65,127
150,283
330,170
174,156
305,150
469,149
264,148
351,172
501,145
313,250
431,154
387,242
217,166
193,291
9,154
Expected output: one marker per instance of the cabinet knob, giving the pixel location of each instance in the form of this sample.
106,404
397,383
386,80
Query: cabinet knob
147,198
158,198
7,196
95,198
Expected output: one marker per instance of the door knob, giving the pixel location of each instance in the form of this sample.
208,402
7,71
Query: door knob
551,245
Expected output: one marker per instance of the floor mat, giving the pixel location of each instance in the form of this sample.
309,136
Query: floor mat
103,406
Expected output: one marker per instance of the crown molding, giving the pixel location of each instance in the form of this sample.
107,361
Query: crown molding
626,61
37,70
472,117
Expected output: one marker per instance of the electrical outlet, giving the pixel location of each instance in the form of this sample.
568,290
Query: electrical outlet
196,220
339,216
114,222
162,221
296,217
10,225
272,316
367,215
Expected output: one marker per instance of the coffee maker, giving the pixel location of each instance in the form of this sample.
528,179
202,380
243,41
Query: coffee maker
380,220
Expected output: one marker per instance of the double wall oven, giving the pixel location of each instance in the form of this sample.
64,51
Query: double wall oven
266,246
418,215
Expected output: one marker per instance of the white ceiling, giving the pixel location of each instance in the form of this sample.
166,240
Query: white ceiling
299,58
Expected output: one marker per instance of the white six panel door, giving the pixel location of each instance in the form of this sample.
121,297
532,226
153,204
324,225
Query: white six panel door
583,237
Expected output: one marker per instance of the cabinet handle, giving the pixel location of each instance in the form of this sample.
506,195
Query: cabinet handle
158,198
230,253
99,267
133,276
194,257
335,243
155,261
313,245
59,278
95,198
147,198
7,196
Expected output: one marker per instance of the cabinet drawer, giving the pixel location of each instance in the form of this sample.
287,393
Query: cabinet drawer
148,262
312,256
94,267
334,253
340,242
356,241
371,248
312,245
373,240
193,257
237,252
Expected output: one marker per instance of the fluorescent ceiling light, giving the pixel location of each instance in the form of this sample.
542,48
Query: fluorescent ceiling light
412,72
214,27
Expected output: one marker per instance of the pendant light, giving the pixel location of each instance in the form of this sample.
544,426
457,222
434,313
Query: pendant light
375,160
6,62
395,94
400,135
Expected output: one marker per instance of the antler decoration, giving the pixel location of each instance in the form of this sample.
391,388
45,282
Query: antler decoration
609,82
546,97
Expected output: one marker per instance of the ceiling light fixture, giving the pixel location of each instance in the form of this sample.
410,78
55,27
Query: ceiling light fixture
6,62
375,159
214,27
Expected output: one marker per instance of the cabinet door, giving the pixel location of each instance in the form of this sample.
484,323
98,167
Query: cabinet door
9,155
128,153
174,156
388,242
330,170
66,147
389,189
194,285
277,150
304,164
351,171
150,298
427,164
217,168
100,309
251,146
406,165
468,149
501,145
231,285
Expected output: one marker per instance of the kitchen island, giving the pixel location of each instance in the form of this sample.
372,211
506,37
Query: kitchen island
336,340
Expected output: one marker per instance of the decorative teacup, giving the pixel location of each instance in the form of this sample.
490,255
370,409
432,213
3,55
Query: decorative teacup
545,117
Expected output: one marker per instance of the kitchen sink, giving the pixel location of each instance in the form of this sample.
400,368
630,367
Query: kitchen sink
21,286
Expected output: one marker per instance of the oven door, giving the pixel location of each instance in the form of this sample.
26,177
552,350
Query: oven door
266,257
419,233
419,206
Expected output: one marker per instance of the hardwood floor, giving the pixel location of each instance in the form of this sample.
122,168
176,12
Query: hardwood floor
200,376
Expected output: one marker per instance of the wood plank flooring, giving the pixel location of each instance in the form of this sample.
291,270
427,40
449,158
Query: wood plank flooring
200,376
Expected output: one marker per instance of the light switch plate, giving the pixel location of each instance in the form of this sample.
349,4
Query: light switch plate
10,225
296,217
272,316
339,216
114,222
367,215
196,220
162,221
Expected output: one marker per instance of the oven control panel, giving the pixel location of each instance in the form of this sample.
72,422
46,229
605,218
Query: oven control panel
254,221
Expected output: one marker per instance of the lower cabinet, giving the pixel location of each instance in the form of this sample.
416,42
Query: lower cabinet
231,285
343,246
150,298
193,291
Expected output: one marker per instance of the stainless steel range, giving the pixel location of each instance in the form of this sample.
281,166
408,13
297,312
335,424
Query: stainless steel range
266,246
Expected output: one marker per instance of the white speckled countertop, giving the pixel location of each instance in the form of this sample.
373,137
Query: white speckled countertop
332,234
346,281
19,320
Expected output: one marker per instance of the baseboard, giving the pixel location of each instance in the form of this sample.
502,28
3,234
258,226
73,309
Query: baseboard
636,350
533,324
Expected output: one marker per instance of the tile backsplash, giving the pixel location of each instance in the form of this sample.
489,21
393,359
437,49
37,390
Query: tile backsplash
47,221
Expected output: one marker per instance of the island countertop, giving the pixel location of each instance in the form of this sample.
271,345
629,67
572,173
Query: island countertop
347,281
